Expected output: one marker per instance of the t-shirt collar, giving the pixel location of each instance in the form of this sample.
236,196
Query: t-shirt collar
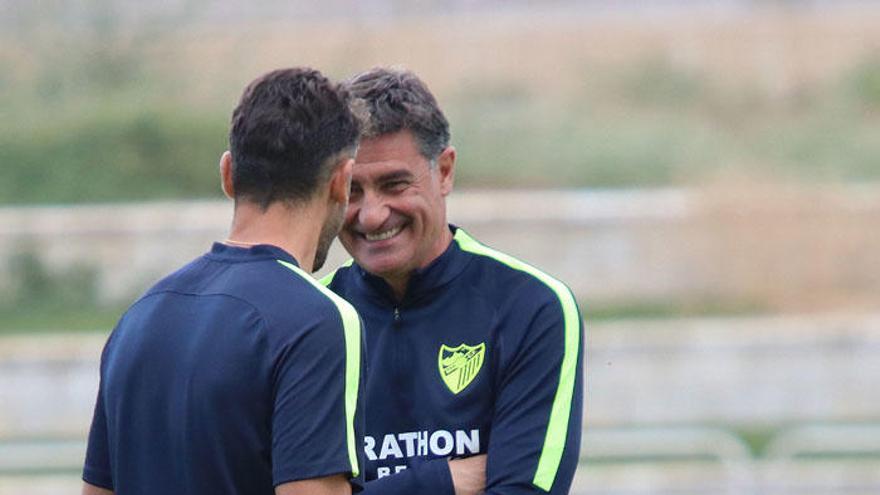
225,252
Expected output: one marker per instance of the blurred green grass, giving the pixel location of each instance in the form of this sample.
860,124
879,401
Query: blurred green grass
38,299
113,156
105,122
55,319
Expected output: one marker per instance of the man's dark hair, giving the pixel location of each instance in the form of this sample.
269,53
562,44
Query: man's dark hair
398,100
288,127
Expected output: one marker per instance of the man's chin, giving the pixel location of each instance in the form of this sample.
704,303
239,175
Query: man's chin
380,266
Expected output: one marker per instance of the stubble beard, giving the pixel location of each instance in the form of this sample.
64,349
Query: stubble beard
328,232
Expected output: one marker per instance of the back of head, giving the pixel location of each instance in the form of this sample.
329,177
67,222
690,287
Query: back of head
398,100
288,130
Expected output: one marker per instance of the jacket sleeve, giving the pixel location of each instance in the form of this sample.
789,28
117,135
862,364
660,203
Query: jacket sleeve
427,478
536,429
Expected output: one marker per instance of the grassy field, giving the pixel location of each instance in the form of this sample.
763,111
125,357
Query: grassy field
108,111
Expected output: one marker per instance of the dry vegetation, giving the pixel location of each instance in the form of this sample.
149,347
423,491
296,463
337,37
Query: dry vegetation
776,51
535,101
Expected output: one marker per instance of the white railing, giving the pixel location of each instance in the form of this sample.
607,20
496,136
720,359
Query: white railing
658,445
615,460
823,458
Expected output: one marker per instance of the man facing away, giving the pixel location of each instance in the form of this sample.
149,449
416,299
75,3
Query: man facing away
470,351
239,373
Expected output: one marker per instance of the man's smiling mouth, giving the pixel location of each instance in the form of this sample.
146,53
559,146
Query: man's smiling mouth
385,234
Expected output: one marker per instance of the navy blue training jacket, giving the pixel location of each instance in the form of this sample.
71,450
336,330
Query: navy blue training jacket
482,355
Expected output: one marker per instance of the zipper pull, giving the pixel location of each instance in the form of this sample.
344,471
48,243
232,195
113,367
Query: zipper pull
397,315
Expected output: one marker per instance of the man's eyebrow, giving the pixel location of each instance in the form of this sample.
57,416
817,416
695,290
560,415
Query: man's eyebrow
396,175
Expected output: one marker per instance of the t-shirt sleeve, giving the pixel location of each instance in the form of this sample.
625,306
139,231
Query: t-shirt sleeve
536,428
97,465
97,469
316,410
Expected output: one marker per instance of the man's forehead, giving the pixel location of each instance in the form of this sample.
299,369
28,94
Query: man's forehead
381,170
389,147
394,168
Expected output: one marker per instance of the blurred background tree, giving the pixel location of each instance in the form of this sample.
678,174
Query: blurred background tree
112,100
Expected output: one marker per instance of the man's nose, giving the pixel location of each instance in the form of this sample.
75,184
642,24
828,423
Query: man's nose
372,213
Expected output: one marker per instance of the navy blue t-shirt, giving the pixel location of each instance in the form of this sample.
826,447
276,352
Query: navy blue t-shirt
233,375
483,355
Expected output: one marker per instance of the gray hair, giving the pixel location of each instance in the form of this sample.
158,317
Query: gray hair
397,100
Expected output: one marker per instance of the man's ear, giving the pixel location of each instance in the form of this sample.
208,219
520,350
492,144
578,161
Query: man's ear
446,169
340,182
226,175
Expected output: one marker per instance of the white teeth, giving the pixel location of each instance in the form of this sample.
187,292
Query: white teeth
381,236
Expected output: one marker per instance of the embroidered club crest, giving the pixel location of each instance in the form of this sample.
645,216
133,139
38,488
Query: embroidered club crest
460,365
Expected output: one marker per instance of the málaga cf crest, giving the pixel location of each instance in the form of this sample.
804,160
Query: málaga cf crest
459,365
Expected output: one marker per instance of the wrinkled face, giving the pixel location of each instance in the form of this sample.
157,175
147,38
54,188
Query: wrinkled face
396,217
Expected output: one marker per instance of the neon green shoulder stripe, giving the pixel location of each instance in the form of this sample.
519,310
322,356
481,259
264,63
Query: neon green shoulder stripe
351,324
557,426
327,279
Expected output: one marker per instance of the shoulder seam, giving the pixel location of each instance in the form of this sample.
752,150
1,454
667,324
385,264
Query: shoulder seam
182,293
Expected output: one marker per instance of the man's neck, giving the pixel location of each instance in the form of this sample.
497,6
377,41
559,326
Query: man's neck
399,283
295,229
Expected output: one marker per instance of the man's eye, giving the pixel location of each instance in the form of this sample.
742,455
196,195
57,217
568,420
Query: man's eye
396,185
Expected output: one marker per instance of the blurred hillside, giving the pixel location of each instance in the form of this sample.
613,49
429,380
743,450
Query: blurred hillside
116,100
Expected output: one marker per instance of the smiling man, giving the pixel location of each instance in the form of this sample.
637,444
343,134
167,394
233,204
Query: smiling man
473,355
